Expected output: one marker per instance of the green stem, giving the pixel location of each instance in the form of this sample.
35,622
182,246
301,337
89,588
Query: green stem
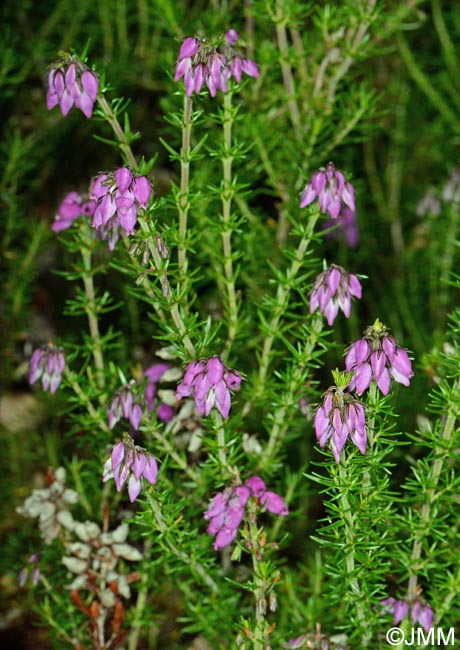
283,192
91,313
184,557
447,603
121,23
85,401
282,229
259,637
167,293
448,48
288,79
169,449
225,467
183,199
142,279
112,119
350,538
447,259
22,275
137,622
227,195
441,453
281,421
63,607
342,132
79,487
127,152
370,431
301,64
356,42
282,298
424,83
370,420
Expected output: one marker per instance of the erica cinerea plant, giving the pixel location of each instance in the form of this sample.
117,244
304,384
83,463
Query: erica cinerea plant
221,491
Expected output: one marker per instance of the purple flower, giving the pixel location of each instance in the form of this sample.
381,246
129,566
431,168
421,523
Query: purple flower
232,36
154,373
422,614
270,500
226,510
274,503
24,572
399,609
332,290
70,82
212,63
118,196
225,513
346,227
47,364
210,382
340,417
124,404
420,611
73,206
128,462
161,246
332,191
377,357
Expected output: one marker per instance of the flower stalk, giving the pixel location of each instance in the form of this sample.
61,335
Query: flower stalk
441,455
281,420
115,125
226,198
183,198
288,79
198,568
91,310
346,513
281,302
167,292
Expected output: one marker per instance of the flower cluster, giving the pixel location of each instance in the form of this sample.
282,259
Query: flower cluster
377,357
50,506
123,404
118,197
210,382
72,206
128,460
332,290
47,364
94,561
71,82
340,417
126,403
226,510
202,61
331,189
420,612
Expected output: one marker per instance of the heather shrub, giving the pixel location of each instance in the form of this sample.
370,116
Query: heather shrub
231,367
